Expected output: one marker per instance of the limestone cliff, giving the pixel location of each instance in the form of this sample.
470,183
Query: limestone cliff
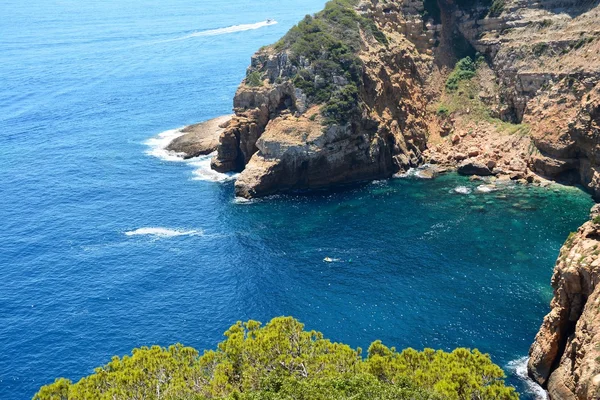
354,111
541,66
544,58
566,354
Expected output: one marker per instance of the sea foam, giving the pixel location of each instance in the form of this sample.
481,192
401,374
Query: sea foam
157,147
419,172
518,368
486,188
162,232
462,190
203,171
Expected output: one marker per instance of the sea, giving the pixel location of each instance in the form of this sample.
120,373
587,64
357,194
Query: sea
108,242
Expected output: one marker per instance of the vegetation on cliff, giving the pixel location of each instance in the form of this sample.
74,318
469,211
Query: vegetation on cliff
463,71
324,48
283,361
462,97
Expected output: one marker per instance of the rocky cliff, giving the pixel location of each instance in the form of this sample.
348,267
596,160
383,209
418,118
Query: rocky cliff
360,104
566,354
544,58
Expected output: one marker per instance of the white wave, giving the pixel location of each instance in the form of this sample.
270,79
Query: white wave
518,368
158,145
203,172
425,171
486,188
462,190
408,174
243,200
163,232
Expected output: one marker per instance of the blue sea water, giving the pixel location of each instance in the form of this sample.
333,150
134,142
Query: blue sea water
105,247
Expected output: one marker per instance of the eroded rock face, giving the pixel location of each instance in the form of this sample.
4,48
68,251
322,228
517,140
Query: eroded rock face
254,107
297,153
567,134
565,356
280,141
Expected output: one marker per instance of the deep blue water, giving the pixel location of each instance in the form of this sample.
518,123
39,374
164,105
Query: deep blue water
86,84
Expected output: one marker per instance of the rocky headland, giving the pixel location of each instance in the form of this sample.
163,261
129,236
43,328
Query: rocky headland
507,88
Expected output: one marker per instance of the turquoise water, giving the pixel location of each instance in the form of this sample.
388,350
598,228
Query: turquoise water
106,247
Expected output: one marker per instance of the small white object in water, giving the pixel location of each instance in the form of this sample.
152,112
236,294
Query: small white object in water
162,232
330,260
462,190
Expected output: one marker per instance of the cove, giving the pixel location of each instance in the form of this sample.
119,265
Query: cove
105,248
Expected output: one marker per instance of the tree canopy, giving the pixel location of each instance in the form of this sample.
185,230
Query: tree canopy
281,360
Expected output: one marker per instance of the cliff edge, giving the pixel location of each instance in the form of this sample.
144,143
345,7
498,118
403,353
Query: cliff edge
565,356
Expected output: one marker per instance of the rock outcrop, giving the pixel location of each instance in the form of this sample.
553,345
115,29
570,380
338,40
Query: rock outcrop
566,132
565,357
200,139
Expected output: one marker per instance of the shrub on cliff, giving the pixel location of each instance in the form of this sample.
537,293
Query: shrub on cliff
496,8
464,70
283,361
254,79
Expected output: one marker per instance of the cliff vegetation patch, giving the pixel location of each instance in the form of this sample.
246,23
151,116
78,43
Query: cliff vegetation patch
323,48
463,97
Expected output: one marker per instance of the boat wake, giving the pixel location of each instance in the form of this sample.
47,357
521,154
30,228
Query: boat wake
518,368
163,232
157,147
224,31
